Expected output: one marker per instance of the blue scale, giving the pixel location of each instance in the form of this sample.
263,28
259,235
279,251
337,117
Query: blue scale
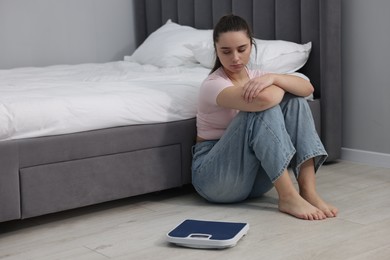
207,234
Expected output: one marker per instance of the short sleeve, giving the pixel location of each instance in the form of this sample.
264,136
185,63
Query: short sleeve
212,86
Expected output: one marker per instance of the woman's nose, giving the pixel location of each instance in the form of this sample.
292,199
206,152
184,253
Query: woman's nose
236,56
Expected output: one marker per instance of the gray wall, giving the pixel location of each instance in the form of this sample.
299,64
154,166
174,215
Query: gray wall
366,75
46,32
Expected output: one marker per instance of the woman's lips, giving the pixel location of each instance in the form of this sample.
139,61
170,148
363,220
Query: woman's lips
236,66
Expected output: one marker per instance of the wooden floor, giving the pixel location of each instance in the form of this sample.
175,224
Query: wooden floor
135,228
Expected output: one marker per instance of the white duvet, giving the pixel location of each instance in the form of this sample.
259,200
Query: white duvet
73,98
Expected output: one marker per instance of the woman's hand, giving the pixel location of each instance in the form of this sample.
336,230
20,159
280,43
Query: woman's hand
253,87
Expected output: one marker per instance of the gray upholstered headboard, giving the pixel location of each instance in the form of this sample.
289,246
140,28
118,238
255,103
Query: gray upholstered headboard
299,21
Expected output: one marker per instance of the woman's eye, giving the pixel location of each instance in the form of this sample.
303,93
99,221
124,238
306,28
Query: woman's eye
241,50
226,52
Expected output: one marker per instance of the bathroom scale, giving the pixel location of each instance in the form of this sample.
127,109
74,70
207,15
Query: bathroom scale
207,234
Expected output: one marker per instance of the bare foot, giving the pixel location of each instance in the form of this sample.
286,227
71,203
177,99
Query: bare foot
314,199
298,207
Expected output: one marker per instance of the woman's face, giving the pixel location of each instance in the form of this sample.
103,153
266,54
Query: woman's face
233,50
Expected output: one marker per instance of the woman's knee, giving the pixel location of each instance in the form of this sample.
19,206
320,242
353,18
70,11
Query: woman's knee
296,101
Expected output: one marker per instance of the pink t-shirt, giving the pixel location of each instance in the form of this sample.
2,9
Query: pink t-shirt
212,120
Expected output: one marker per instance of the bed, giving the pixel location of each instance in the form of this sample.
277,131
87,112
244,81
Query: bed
50,169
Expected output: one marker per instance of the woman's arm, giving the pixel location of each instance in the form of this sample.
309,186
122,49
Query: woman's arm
289,83
231,97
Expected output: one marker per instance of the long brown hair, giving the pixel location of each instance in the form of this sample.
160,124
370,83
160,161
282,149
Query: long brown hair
229,23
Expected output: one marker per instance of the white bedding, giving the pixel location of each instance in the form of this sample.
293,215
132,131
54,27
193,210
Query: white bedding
73,98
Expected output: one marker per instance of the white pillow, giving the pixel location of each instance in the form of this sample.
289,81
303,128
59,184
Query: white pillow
280,56
165,46
203,52
272,55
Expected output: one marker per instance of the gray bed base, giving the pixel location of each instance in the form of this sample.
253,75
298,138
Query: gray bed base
51,174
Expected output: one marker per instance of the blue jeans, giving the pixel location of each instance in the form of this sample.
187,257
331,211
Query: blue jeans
255,150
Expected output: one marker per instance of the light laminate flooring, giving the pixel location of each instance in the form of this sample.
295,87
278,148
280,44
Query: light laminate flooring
135,228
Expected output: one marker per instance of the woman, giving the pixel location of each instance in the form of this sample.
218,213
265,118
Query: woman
251,126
